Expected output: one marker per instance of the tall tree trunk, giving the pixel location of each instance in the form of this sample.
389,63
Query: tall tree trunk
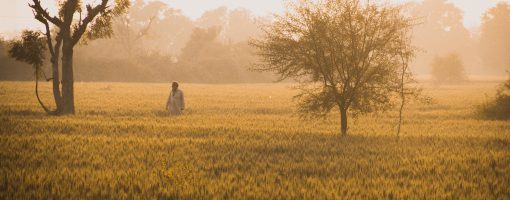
67,78
55,53
343,119
56,90
56,77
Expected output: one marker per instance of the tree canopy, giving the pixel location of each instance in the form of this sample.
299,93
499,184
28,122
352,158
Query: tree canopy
96,22
346,54
440,31
495,41
448,69
30,49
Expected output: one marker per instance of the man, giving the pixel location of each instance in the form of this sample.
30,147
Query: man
175,102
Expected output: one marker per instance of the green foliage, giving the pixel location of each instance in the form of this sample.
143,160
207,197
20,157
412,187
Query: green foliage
121,7
448,69
62,7
102,26
499,107
30,49
10,69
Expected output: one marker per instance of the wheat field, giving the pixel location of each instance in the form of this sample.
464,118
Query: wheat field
245,142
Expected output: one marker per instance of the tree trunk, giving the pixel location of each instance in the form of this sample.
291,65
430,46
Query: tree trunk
403,102
343,119
402,93
56,82
37,91
67,78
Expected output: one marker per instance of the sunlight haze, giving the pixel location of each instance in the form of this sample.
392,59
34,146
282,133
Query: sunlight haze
16,15
254,99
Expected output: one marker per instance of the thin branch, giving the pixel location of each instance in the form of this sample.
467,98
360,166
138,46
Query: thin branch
44,13
43,20
91,14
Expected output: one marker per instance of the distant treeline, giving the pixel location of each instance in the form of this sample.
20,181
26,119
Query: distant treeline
230,65
156,43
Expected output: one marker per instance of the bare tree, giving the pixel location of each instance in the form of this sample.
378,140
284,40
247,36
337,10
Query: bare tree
96,24
345,53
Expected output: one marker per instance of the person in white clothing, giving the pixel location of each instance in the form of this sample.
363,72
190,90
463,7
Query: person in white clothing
175,102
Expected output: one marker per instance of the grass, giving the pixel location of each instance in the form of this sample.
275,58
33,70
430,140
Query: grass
243,142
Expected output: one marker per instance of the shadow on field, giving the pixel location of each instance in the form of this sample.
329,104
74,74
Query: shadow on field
21,113
161,113
164,113
95,113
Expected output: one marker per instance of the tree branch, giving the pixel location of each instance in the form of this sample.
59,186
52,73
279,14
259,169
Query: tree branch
44,13
91,14
43,20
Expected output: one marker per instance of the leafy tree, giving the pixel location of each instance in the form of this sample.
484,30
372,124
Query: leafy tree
237,25
345,53
172,31
135,24
97,23
215,17
31,49
448,69
209,60
440,32
202,42
495,42
151,27
241,26
10,69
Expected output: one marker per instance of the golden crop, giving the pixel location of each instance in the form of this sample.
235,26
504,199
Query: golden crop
243,142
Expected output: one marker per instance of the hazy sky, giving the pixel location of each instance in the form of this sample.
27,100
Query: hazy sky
16,15
473,9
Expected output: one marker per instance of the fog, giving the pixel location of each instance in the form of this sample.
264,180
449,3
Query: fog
155,42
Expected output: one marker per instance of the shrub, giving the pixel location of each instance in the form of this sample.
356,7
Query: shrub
499,107
448,69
